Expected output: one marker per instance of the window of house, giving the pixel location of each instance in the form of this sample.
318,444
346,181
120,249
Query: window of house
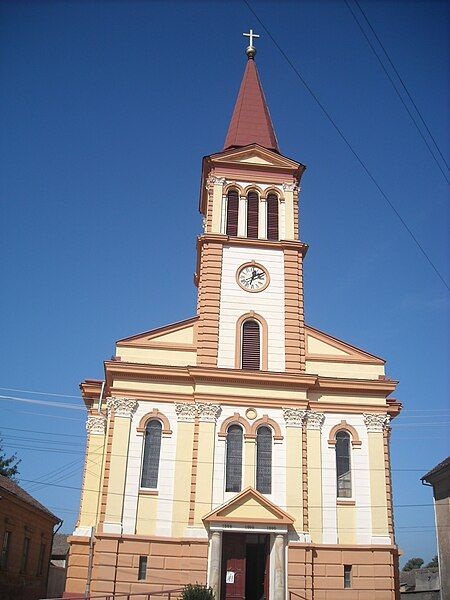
5,550
272,217
343,466
252,215
233,476
251,345
25,552
142,571
264,460
347,576
232,212
40,566
152,451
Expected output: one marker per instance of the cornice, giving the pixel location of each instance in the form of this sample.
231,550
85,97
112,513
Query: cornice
258,243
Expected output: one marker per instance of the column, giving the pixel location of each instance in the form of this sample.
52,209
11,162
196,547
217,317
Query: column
280,571
314,422
215,191
293,418
207,419
214,563
262,218
186,413
92,477
289,189
375,423
123,410
242,217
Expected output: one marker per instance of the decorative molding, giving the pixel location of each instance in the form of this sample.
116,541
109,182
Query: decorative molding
186,411
289,187
156,414
122,407
208,412
376,422
213,180
294,417
344,426
265,420
96,425
314,420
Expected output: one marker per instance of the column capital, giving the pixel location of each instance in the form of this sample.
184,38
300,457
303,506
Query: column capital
314,420
208,412
289,187
376,422
186,411
294,417
122,407
96,425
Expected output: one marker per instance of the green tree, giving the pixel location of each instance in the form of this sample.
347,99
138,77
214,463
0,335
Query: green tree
9,466
413,563
433,562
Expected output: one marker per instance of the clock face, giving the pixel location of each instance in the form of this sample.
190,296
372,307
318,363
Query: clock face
252,277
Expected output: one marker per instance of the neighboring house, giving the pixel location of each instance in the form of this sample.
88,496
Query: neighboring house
241,447
26,532
439,479
58,566
420,584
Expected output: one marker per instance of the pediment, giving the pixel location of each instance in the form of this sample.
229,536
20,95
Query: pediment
322,346
179,334
256,155
249,506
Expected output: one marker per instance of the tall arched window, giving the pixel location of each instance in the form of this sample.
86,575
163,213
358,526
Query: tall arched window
232,212
233,476
251,345
264,460
343,466
252,215
152,450
272,217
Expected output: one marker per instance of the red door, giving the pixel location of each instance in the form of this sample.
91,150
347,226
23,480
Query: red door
233,567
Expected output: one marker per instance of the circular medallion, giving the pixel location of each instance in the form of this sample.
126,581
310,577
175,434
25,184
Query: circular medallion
252,277
251,414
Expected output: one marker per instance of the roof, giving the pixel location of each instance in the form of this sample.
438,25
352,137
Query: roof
60,545
437,470
14,489
251,122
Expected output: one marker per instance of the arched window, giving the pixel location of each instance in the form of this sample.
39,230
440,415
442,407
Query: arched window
251,345
264,460
252,215
233,475
343,466
272,217
232,212
152,450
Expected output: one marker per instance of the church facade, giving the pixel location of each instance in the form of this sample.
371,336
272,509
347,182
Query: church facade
240,448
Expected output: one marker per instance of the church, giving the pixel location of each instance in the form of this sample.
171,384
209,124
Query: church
240,448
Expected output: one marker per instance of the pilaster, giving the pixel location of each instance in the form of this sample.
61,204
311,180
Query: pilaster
314,422
184,458
293,418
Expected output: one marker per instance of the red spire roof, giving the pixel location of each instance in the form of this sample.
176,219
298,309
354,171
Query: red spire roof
251,122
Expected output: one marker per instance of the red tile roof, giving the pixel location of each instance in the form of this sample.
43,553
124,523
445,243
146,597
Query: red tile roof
11,486
251,122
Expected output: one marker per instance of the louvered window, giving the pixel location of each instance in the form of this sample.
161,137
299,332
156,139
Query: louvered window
152,450
272,217
343,467
234,459
251,345
252,215
264,460
232,212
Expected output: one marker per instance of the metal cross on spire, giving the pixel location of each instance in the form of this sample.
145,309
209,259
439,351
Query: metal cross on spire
251,50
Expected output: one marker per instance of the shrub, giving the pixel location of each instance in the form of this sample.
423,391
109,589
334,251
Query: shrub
197,592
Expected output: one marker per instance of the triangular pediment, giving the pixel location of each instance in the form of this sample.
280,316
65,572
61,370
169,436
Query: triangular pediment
256,155
173,335
249,506
322,346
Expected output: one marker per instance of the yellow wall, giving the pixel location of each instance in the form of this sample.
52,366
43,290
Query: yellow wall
157,356
378,498
249,463
146,514
117,472
346,523
183,469
90,501
205,470
314,455
217,208
294,491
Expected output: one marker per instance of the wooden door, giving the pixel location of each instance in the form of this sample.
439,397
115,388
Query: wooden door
233,567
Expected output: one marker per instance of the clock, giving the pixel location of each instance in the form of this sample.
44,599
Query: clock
252,277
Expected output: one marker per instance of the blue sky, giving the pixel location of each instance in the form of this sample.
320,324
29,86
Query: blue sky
104,104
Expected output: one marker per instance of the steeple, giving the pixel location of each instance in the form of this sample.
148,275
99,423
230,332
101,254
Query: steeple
251,122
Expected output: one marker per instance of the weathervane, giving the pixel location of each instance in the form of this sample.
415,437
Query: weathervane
251,50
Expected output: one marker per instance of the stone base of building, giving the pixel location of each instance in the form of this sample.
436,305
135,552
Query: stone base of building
313,571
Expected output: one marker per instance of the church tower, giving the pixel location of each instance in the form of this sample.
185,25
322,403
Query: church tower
240,448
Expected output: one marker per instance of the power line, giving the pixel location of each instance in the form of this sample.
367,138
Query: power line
40,393
349,146
43,402
402,82
394,86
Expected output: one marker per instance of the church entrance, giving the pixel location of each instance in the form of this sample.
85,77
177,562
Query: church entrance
245,566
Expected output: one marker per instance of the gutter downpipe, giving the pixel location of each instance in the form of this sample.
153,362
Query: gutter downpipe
101,396
50,557
91,557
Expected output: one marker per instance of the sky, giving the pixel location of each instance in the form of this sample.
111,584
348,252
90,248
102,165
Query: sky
106,110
